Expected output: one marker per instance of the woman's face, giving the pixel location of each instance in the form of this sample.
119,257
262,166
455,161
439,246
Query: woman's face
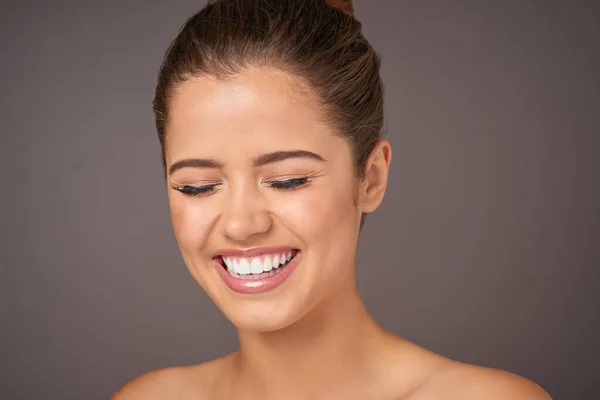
256,178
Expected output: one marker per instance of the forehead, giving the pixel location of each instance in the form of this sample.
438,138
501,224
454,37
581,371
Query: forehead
256,109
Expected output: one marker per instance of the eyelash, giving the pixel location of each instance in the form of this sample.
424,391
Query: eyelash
196,190
287,184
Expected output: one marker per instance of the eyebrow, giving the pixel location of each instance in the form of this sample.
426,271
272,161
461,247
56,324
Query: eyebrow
264,159
194,163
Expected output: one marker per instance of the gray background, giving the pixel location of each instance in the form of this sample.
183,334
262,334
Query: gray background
486,248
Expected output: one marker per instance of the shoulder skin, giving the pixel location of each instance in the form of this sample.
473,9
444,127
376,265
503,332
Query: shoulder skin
161,384
465,382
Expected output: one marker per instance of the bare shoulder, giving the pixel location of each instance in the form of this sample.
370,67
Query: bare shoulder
464,381
158,384
187,382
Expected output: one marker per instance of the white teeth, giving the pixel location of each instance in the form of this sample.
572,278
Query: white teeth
256,267
243,267
267,266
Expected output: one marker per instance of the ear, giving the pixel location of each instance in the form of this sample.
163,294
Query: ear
374,183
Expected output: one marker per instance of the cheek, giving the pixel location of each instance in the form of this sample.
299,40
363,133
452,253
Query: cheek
320,211
191,222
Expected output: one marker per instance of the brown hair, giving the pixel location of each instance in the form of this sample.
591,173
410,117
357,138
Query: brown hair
317,41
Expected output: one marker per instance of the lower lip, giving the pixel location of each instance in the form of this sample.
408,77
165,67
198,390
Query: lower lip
251,286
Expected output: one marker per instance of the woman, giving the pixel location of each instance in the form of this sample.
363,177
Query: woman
270,119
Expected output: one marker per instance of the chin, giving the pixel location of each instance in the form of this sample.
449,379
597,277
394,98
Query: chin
264,316
266,307
264,304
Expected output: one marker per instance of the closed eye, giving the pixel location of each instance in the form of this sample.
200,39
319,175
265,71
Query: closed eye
288,184
205,190
197,190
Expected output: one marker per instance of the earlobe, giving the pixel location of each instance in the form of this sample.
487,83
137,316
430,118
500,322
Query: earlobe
374,183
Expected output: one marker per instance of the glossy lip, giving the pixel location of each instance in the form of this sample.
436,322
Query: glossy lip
255,286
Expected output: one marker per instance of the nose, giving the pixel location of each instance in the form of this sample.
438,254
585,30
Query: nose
244,214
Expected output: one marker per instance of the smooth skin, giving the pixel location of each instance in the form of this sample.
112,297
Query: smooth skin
311,337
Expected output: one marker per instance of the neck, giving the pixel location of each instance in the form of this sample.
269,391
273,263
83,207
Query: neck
337,342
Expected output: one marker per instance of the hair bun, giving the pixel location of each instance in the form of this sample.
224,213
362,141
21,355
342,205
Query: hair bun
342,5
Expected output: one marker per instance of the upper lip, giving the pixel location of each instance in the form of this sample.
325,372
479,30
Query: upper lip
252,252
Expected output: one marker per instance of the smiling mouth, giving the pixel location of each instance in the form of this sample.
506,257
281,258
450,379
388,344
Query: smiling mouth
259,267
